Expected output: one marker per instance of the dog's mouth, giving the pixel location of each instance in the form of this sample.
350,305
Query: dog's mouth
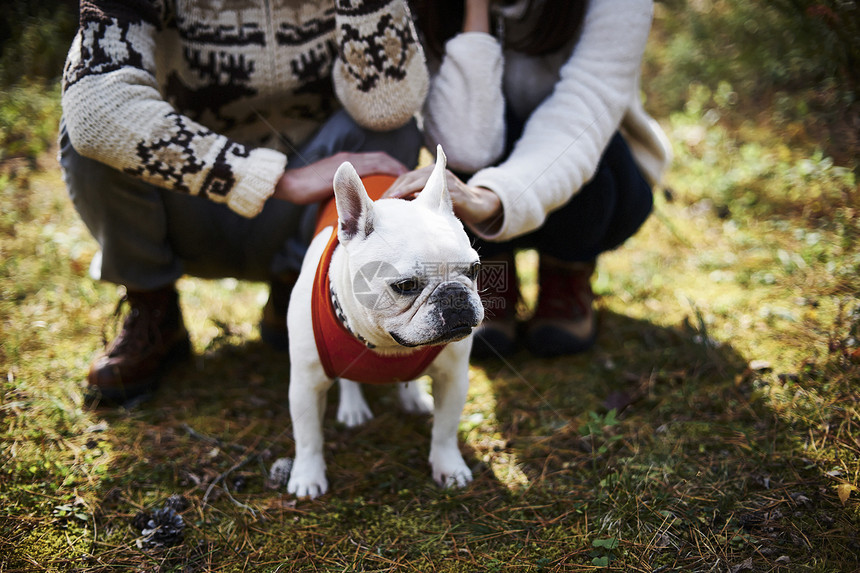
452,334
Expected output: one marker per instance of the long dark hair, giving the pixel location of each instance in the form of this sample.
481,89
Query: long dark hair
548,25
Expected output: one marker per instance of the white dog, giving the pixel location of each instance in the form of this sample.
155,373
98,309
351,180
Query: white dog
402,287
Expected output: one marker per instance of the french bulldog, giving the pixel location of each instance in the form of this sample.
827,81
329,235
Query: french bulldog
402,283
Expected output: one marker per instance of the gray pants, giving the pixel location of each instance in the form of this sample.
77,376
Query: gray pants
149,236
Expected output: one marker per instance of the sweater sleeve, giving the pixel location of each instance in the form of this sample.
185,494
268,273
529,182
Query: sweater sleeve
465,109
380,75
116,114
565,136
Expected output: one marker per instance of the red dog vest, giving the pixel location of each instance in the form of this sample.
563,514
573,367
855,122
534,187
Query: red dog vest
341,353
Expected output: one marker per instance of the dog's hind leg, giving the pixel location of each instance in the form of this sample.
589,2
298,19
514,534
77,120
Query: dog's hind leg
352,408
414,399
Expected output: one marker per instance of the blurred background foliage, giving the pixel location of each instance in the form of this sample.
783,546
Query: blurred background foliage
34,40
760,47
790,66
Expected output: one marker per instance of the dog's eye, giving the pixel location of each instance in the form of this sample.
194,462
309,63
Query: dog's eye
407,286
473,271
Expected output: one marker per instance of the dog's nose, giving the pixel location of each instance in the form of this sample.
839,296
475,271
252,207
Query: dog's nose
456,307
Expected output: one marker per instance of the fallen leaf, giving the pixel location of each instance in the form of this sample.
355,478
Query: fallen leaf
844,491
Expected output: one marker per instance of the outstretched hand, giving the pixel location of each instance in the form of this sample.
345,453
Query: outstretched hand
478,207
313,183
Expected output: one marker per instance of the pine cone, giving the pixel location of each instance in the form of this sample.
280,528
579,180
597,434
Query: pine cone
162,527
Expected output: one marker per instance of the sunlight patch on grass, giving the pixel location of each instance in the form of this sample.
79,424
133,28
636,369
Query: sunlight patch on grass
481,427
221,311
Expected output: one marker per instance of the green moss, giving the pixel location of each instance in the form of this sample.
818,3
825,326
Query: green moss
48,547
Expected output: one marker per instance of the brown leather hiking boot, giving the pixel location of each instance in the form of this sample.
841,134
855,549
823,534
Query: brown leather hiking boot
273,323
564,321
153,338
500,293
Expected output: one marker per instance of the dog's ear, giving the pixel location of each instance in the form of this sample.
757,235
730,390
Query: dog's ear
435,194
354,207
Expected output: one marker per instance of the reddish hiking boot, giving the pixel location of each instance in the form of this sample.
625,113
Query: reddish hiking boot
273,323
564,321
500,294
152,339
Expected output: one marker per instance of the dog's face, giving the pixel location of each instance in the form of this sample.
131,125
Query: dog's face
411,269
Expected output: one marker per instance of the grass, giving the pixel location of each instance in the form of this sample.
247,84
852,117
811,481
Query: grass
713,428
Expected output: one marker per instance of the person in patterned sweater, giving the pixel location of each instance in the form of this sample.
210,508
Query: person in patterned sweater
199,135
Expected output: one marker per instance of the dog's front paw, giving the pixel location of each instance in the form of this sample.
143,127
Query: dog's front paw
308,478
450,470
414,399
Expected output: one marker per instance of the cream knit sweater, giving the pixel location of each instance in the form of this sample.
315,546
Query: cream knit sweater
206,96
574,100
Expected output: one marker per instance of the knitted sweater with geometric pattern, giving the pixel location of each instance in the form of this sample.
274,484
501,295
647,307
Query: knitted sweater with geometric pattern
206,97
